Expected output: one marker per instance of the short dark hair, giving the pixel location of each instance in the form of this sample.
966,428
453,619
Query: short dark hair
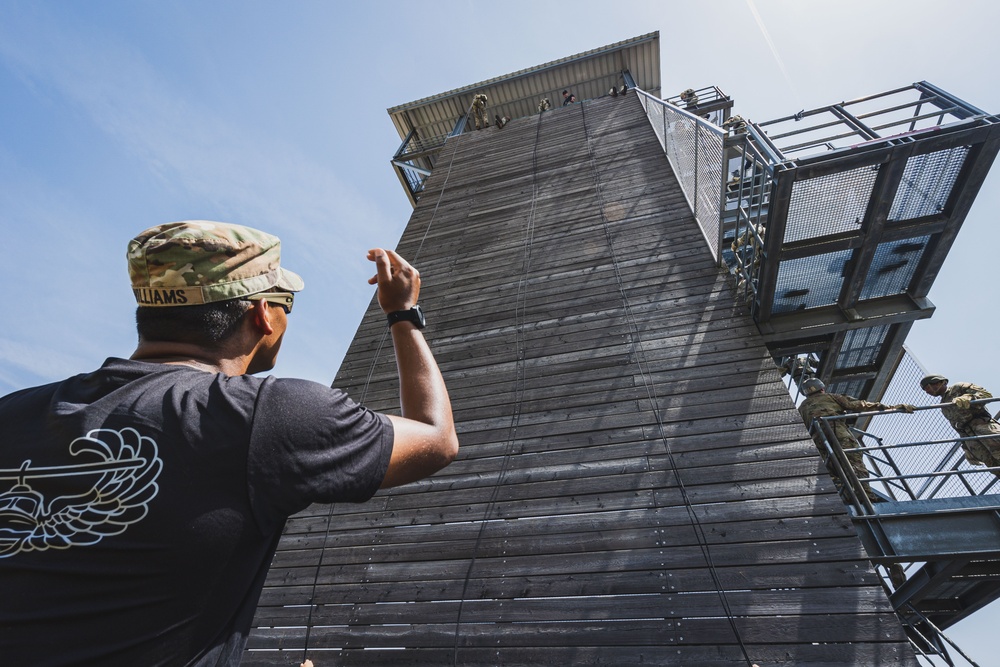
209,324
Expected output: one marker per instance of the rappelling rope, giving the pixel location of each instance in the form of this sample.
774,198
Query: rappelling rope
515,419
653,399
364,393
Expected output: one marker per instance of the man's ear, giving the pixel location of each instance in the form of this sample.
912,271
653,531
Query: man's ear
260,315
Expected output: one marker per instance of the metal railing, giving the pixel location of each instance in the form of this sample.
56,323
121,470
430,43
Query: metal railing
746,197
904,462
694,147
704,102
916,469
894,115
726,176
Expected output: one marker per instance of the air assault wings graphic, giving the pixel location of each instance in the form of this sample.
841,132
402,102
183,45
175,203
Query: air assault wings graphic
116,478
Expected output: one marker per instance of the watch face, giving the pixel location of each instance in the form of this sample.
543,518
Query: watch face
420,322
414,315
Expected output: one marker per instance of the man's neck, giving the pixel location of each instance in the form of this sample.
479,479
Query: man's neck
183,354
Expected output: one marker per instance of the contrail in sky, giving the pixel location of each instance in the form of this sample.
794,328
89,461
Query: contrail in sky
770,44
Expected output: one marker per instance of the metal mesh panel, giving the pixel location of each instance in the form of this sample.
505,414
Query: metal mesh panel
655,114
709,183
927,426
694,149
682,147
862,346
893,267
809,282
927,183
829,204
852,388
414,179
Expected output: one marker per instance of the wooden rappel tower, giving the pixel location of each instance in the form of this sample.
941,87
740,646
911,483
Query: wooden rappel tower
635,485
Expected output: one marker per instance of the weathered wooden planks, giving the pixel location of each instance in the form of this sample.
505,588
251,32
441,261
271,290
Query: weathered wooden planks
634,483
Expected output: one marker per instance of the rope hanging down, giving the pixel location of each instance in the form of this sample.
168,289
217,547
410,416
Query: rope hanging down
364,393
519,308
519,388
651,396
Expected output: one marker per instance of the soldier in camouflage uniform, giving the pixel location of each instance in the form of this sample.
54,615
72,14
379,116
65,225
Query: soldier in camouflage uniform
689,98
818,403
968,420
747,251
735,124
544,105
479,111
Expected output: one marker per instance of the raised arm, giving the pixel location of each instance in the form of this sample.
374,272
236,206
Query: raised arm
425,440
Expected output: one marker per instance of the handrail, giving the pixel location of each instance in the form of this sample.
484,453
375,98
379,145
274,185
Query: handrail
695,149
902,448
726,177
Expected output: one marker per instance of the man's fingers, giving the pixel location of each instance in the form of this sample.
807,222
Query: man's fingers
398,265
382,265
398,281
394,265
404,269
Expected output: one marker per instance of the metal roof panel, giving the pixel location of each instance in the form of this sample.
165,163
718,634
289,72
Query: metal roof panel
588,75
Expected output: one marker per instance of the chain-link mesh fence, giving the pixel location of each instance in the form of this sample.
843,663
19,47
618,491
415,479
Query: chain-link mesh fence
920,455
694,148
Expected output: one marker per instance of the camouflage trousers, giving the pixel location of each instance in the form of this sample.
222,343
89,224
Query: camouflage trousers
985,451
479,113
856,459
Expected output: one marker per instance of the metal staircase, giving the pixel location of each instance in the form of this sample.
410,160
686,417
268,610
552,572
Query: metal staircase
939,518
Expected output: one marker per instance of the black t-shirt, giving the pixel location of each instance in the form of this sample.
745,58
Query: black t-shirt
140,506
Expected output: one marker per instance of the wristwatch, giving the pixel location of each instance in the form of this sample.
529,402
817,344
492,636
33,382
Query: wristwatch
414,315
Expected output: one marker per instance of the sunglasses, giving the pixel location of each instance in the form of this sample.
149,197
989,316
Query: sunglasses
283,299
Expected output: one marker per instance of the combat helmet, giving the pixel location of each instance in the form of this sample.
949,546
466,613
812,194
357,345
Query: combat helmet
811,386
931,379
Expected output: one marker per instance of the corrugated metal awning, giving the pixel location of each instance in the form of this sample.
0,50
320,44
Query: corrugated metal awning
587,75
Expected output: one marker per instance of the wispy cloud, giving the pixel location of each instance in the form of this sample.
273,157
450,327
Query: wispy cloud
188,144
770,44
240,172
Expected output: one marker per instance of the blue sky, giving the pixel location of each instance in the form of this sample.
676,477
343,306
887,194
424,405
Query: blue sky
118,115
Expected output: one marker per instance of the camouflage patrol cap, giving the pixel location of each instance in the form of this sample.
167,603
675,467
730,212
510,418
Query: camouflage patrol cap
198,261
931,379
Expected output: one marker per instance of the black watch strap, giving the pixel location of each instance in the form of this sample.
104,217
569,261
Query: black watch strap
414,315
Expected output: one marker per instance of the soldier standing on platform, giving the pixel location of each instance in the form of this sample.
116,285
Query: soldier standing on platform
968,420
818,403
689,98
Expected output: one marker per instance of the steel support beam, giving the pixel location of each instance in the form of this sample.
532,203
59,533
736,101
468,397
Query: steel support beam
935,529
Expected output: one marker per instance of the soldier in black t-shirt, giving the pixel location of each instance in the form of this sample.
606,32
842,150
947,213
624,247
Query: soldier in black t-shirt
140,504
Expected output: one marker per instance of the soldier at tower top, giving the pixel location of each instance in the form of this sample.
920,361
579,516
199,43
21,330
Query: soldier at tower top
969,421
141,503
